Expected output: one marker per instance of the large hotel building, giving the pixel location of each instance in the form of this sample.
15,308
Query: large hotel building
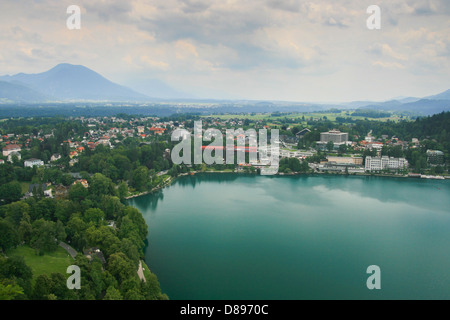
385,162
334,135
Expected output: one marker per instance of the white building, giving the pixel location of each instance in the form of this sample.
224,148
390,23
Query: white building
369,138
335,136
33,162
10,149
385,162
55,157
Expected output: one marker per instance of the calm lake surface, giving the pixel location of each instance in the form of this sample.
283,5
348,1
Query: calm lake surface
228,236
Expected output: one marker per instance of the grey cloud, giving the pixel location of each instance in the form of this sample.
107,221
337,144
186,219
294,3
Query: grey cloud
109,10
286,5
332,22
430,7
194,6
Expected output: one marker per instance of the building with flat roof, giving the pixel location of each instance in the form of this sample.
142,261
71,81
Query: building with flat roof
346,160
33,162
335,136
435,157
385,162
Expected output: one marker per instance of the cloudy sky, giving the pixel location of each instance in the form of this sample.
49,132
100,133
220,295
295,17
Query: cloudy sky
290,50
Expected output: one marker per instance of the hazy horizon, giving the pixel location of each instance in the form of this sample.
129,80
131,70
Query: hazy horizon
290,50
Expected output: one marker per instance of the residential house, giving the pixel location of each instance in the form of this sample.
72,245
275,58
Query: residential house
10,149
55,157
33,162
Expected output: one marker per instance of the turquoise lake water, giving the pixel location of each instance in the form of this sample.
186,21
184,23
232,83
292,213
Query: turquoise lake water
228,236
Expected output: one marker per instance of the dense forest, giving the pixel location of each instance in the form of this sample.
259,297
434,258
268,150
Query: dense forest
80,220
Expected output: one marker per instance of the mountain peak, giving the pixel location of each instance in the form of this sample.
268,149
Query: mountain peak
67,81
68,66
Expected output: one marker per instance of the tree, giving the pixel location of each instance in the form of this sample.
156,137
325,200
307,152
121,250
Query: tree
25,230
439,170
103,237
10,192
9,238
60,231
140,178
130,250
67,179
111,206
63,210
342,148
59,287
77,192
16,210
137,221
121,267
134,294
45,208
101,185
9,291
122,190
44,236
152,289
96,277
330,146
112,294
94,215
76,232
15,269
42,287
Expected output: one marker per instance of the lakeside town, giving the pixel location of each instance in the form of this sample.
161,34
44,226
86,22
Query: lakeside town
333,151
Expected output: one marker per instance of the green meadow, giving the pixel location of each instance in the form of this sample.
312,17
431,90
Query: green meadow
56,261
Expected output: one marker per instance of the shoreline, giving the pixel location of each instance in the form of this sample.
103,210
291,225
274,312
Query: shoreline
169,181
165,183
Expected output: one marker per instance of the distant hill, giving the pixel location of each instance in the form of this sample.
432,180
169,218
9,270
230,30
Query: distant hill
158,89
427,106
67,83
19,93
441,96
74,82
420,107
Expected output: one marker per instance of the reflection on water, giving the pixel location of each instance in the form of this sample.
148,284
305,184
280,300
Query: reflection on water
148,202
229,236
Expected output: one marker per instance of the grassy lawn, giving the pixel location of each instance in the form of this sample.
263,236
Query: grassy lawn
299,115
57,261
24,186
